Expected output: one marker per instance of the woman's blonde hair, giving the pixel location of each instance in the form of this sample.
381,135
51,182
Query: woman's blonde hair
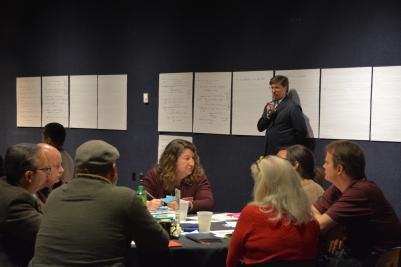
167,166
278,187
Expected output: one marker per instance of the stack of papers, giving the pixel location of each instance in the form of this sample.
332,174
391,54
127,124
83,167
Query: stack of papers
163,213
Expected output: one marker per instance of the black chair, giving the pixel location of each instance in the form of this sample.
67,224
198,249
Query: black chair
282,263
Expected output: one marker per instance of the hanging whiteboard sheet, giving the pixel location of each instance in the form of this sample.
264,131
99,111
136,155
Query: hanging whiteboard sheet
251,92
386,99
112,103
304,87
28,102
175,102
83,101
345,103
55,100
212,102
164,140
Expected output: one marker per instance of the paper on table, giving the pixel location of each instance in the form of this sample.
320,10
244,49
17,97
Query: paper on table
222,233
234,215
222,217
168,199
231,224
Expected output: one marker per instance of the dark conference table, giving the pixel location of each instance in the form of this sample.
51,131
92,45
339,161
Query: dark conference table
192,254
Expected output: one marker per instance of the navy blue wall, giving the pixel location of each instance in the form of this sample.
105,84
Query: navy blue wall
144,39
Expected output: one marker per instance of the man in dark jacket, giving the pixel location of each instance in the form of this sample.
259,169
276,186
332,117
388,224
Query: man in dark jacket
281,118
26,169
90,221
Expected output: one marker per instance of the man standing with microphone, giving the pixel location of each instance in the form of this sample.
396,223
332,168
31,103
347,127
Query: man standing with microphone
282,118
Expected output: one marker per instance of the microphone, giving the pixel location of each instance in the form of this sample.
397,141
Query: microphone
272,106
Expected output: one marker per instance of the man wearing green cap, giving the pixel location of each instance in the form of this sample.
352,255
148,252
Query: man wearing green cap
90,221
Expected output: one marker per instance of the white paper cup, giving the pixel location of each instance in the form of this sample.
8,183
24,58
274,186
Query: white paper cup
204,220
183,210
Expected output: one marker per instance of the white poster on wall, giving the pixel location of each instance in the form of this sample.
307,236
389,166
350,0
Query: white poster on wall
164,140
386,108
112,102
55,100
212,104
29,109
83,101
175,102
251,92
345,103
304,89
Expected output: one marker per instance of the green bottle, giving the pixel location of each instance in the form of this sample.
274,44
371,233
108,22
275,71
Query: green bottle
142,194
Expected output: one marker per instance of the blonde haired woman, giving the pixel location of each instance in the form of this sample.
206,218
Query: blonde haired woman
278,224
179,167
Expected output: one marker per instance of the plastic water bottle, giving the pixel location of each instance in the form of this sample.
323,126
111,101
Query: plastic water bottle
142,194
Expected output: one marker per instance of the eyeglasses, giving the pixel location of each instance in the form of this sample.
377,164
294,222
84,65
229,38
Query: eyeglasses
45,169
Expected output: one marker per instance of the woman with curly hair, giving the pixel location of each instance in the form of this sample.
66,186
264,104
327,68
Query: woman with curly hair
179,167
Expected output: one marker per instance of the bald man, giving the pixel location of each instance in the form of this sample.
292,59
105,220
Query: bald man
54,160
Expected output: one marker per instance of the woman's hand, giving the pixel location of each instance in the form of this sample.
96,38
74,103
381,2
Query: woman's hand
154,204
190,199
172,205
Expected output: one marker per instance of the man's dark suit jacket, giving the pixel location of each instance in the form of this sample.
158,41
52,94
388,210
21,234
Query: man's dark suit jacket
20,218
284,127
90,222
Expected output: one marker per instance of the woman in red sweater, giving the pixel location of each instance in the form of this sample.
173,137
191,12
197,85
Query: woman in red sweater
278,224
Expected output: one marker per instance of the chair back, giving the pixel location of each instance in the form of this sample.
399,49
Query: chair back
389,258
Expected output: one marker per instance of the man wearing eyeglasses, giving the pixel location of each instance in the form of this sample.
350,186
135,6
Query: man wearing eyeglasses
26,171
90,221
282,118
55,171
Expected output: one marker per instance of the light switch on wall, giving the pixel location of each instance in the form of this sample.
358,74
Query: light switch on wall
146,98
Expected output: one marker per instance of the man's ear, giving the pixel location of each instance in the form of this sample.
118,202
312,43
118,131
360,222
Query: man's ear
296,166
113,174
340,169
28,176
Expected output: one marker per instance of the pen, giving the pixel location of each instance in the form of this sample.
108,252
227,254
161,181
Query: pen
149,194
